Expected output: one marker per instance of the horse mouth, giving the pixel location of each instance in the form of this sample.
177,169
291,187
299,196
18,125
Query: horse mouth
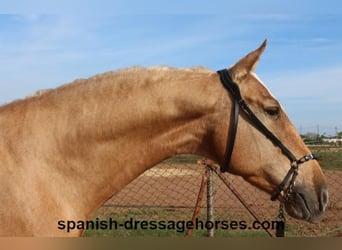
297,207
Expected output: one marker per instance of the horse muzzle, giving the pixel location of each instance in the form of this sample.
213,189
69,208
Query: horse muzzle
308,206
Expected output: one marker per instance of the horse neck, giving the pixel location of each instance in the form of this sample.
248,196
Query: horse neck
102,137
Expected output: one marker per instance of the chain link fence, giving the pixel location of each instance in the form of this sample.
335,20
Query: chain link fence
171,192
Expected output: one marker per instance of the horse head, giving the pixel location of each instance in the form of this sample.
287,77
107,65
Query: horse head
263,159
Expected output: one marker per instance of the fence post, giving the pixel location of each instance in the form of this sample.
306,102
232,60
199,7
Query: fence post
210,207
229,185
199,201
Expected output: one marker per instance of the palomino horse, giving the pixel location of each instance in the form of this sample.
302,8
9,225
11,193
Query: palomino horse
64,152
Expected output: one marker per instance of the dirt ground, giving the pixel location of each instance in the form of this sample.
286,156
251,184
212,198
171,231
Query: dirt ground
177,186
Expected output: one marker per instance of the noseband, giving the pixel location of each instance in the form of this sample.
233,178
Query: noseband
239,103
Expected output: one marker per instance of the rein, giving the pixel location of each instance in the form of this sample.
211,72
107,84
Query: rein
240,104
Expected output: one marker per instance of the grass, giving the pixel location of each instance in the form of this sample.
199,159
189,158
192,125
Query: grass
161,214
170,233
329,159
183,159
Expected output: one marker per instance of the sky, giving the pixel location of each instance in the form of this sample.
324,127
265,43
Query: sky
44,44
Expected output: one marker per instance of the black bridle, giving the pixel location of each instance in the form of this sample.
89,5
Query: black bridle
234,90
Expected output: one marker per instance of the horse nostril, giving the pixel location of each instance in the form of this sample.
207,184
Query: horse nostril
323,199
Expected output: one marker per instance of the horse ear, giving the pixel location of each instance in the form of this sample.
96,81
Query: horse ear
247,64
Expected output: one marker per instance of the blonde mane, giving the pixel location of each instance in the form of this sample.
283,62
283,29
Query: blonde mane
140,74
114,78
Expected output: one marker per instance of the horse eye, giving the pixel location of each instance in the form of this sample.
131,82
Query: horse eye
273,111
